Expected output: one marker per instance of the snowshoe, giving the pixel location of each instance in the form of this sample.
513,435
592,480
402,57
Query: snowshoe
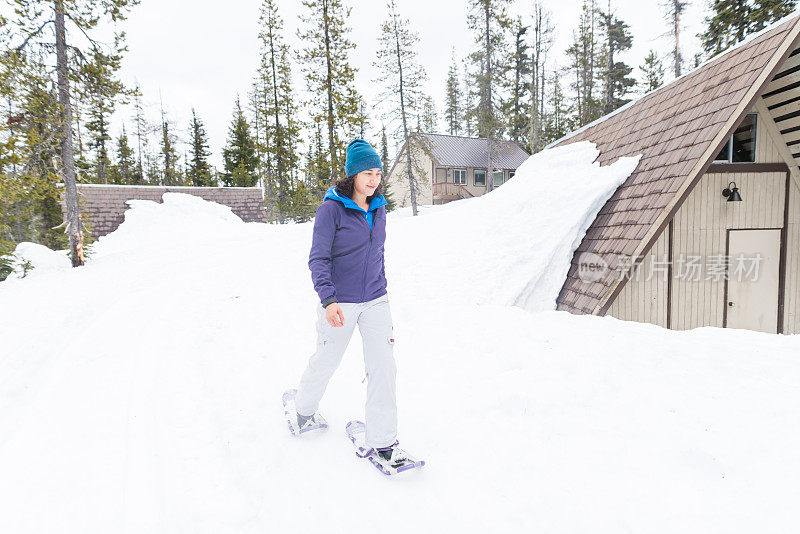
299,424
389,460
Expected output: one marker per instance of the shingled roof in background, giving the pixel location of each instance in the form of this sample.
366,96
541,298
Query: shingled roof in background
105,204
678,129
457,151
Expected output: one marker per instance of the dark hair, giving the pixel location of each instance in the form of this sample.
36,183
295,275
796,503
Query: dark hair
344,186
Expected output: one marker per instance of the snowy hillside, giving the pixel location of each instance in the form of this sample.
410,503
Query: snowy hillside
140,392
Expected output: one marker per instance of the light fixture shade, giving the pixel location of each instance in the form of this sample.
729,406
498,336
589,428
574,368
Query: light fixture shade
732,193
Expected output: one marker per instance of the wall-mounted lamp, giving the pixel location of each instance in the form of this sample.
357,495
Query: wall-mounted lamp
732,193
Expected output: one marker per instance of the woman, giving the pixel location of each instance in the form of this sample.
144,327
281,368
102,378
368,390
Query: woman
347,269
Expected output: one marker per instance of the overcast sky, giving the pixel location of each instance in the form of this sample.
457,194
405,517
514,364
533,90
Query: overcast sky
203,53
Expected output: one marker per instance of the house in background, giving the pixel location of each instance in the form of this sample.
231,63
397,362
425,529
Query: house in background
706,230
452,167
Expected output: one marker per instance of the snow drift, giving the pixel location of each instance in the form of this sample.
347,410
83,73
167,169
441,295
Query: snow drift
141,392
513,246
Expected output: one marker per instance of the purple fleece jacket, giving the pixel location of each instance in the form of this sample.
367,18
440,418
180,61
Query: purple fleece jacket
346,258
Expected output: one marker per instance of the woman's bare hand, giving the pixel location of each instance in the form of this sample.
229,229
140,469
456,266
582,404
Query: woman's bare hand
334,314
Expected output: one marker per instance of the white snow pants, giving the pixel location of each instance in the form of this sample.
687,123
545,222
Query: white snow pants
375,324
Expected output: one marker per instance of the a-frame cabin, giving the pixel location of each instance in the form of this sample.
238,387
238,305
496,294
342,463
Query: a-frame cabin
668,247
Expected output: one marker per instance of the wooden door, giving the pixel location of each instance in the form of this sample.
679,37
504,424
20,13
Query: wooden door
753,281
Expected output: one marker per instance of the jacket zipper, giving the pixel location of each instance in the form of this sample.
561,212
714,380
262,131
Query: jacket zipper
366,259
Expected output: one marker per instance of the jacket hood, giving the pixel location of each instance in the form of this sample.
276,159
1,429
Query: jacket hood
348,202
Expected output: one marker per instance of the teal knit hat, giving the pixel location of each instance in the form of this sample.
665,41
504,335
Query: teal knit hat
360,157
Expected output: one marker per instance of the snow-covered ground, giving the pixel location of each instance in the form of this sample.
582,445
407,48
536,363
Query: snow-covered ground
140,393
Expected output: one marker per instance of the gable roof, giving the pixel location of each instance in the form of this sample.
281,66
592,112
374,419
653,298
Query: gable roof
458,151
678,129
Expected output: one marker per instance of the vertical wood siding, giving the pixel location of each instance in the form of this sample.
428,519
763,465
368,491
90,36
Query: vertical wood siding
791,315
644,296
699,229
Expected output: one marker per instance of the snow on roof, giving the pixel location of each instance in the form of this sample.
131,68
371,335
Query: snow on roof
673,128
511,246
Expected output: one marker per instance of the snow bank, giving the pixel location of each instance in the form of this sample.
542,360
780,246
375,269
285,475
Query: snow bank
512,246
140,392
39,258
180,221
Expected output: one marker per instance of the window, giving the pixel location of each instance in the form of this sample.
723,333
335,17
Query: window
497,178
743,141
741,146
511,174
460,176
480,177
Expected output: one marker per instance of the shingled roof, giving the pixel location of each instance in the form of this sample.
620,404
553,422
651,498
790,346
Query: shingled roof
678,129
457,151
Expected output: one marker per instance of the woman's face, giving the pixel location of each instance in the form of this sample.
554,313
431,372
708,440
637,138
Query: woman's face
366,181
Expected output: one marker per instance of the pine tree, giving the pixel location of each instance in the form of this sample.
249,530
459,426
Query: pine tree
732,20
170,173
85,172
585,57
281,133
29,148
141,127
402,77
515,108
239,154
330,79
101,89
727,25
765,12
471,94
387,165
559,121
363,122
31,18
453,112
428,119
198,170
385,149
124,170
488,19
674,10
616,82
652,71
316,166
257,98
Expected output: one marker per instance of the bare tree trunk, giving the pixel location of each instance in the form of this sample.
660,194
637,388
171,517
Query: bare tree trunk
609,96
279,153
74,223
101,168
676,27
267,179
139,120
18,223
259,155
489,111
412,183
535,81
329,85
